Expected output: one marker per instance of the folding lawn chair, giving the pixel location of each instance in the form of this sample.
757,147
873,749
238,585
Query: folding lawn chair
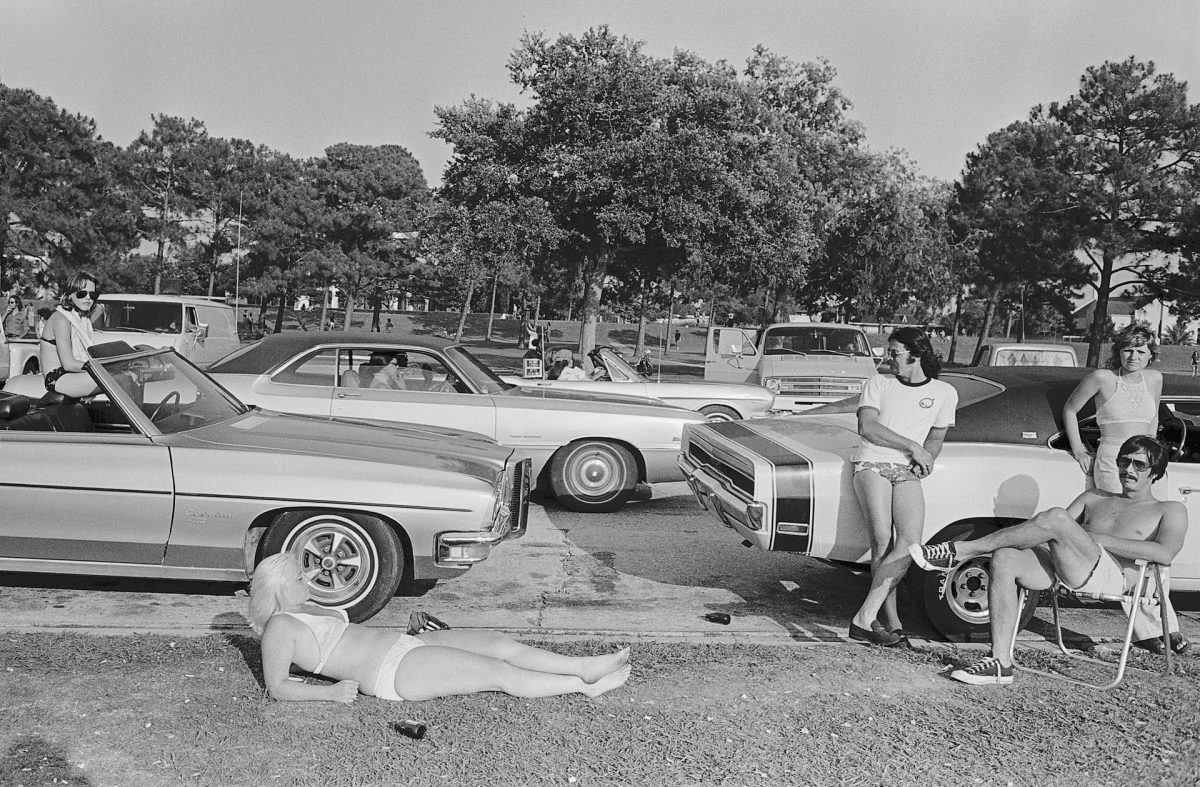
1141,591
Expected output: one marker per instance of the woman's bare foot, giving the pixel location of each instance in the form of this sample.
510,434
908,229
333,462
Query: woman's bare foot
612,680
596,667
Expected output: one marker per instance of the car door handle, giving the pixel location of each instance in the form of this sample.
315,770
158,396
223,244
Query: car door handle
1187,490
344,395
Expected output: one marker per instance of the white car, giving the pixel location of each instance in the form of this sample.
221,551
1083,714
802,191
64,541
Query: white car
591,450
715,401
784,484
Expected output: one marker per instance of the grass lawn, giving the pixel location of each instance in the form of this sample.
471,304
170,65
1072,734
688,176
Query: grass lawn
152,710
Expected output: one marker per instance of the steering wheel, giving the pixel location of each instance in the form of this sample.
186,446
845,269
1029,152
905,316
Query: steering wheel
1177,448
173,395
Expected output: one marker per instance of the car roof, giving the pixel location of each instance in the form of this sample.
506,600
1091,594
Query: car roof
1029,346
188,299
273,349
1027,400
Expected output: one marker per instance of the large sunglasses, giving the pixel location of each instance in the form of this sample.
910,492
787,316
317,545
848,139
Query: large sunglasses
1137,464
81,294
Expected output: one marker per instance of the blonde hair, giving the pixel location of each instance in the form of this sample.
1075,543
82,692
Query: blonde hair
265,585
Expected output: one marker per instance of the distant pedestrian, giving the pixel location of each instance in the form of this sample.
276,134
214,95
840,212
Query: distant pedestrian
387,326
1195,361
677,335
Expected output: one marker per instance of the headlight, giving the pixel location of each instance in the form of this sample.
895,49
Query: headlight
772,384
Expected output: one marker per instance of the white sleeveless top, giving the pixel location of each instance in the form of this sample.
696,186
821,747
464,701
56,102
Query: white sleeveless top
82,334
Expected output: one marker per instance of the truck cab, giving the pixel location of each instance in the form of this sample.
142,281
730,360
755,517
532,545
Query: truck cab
804,364
199,329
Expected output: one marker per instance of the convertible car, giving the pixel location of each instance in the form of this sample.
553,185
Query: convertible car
167,475
715,401
784,484
590,449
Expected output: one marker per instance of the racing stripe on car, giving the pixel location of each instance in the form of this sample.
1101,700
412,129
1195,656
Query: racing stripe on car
793,485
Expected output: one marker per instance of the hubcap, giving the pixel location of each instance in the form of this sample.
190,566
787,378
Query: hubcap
337,560
966,590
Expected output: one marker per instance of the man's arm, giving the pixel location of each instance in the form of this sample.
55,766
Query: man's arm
1160,548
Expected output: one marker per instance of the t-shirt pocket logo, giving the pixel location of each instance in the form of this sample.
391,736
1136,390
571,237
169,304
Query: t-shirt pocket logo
926,403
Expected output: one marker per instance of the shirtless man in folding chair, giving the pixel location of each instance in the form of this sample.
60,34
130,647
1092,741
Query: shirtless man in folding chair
1085,546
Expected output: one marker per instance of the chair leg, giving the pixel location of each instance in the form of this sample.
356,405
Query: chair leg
1163,594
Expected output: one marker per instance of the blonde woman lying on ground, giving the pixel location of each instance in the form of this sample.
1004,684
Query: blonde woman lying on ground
391,665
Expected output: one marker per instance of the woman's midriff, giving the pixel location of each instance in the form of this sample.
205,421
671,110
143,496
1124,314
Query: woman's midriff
1123,430
359,653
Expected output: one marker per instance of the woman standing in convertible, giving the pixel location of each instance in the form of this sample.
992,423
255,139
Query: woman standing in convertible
902,421
393,666
64,342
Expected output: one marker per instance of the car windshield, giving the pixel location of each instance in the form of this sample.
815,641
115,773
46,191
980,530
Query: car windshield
475,371
800,339
618,368
167,389
114,314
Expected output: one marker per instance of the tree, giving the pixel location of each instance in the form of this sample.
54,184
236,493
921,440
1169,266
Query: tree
164,166
1013,210
1133,189
372,195
58,196
888,249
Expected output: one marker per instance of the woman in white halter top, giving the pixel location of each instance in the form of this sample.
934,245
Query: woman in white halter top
66,337
1127,397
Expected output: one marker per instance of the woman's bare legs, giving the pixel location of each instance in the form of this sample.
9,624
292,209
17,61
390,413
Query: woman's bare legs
439,671
488,643
888,506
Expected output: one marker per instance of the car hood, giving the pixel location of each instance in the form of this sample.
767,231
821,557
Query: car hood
834,432
394,444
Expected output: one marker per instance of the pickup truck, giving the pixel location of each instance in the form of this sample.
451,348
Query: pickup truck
804,364
199,329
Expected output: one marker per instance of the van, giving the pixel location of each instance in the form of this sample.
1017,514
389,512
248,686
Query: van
804,364
199,329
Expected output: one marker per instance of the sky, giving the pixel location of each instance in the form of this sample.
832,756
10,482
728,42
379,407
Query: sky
932,78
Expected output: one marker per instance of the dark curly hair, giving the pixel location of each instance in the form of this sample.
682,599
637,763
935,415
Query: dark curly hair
916,341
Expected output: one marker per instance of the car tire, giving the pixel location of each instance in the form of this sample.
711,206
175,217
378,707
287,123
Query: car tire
718,413
593,476
354,562
956,602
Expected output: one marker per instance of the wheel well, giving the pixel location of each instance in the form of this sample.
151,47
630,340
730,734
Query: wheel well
998,521
632,449
258,528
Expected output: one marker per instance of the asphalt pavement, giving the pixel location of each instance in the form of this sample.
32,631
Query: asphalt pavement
652,571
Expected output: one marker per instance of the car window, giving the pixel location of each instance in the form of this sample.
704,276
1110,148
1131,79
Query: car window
315,368
972,389
1021,356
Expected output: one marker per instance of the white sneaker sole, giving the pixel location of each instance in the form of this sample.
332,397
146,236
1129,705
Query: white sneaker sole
962,676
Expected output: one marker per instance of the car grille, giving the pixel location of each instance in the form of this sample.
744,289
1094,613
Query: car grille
822,387
518,499
711,459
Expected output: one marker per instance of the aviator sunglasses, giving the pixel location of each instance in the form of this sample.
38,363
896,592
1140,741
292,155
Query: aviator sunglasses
1137,464
85,294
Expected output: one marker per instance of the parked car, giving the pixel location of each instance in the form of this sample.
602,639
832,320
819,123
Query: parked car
175,478
200,329
715,401
589,450
785,483
804,364
1025,354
